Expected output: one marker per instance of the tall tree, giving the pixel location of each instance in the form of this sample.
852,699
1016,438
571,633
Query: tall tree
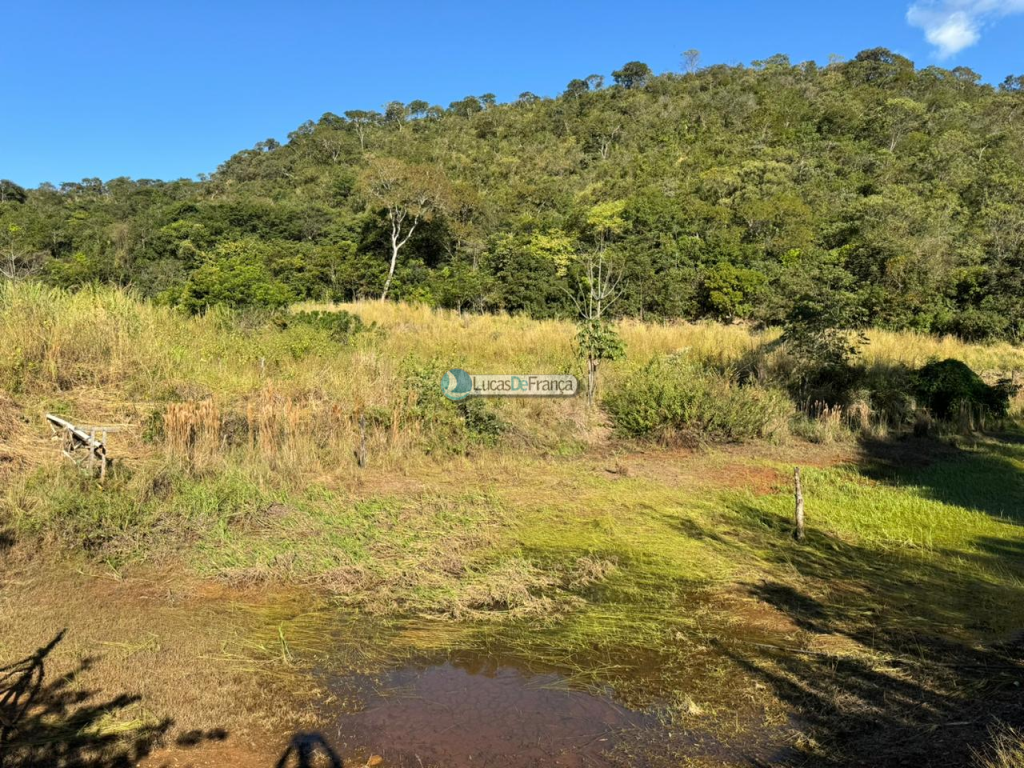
408,195
362,119
691,61
598,279
633,74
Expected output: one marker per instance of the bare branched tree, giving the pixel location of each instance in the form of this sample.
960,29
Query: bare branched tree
598,288
409,195
691,61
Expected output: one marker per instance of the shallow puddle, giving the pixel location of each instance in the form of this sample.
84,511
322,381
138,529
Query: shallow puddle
480,712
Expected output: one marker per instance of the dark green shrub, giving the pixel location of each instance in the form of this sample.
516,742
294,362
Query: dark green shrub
944,386
340,325
976,325
447,427
673,398
481,419
833,383
889,389
727,291
234,275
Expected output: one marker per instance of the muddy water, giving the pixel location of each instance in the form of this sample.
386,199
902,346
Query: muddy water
481,712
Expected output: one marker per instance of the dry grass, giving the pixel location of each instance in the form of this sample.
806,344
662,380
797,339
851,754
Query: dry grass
282,408
1005,751
192,429
258,413
916,349
293,397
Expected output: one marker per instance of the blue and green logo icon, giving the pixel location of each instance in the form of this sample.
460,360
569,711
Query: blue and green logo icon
456,384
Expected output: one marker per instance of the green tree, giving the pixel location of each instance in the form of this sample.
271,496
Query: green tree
409,195
362,120
235,275
634,74
728,292
598,276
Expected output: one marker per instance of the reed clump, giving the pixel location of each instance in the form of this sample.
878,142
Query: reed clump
192,430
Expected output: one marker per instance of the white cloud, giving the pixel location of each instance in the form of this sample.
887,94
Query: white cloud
952,25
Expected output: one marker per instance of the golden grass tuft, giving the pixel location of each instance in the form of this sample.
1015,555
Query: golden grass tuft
1006,750
274,420
192,429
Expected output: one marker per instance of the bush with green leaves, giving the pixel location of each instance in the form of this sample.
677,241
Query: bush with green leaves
339,325
448,427
672,398
234,275
728,291
945,386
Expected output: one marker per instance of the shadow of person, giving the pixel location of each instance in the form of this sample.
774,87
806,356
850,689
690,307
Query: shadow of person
305,747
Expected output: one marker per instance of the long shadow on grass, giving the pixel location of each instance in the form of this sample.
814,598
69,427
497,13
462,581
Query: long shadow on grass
58,723
306,750
986,478
886,670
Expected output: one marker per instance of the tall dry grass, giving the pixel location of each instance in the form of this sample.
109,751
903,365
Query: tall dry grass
192,429
291,398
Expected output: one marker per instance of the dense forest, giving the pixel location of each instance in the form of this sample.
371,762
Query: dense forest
889,194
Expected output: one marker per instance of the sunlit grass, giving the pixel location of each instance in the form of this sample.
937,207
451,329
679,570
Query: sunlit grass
547,540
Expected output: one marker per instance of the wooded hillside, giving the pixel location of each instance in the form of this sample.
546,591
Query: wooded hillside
890,195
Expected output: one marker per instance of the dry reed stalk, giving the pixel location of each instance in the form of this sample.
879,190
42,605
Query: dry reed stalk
192,429
859,416
279,428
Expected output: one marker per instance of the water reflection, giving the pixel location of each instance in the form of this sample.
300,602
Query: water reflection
481,711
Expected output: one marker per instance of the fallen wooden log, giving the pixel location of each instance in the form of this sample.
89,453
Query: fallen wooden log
80,446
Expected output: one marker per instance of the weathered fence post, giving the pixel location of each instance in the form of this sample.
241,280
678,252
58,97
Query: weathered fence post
361,455
103,456
798,534
92,452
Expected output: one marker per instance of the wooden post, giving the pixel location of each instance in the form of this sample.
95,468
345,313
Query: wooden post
361,455
798,534
103,457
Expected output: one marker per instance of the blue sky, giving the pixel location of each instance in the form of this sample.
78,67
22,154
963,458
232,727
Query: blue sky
159,89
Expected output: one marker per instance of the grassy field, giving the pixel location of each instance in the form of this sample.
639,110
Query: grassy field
523,528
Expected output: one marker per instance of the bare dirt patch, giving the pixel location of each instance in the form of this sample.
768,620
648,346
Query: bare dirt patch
129,666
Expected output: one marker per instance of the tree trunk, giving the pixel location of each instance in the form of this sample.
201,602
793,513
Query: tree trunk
397,241
391,272
591,380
